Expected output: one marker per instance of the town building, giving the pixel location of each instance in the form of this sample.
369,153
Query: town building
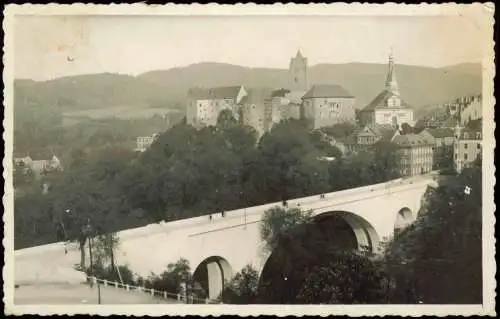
388,107
326,105
442,140
204,105
40,162
414,153
472,109
467,147
144,142
368,136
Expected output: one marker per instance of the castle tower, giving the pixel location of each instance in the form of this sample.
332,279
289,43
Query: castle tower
298,72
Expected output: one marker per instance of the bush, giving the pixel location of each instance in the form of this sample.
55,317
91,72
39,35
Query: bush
111,274
243,288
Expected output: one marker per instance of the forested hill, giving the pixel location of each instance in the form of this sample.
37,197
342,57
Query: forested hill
419,86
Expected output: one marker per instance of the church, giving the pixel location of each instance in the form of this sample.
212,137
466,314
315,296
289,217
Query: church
388,107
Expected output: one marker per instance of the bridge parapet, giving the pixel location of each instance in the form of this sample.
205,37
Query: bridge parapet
253,214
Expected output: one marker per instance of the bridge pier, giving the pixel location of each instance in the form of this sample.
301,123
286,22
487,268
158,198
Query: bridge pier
215,280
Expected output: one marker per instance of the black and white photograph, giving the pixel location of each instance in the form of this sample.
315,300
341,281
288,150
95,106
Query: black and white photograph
248,159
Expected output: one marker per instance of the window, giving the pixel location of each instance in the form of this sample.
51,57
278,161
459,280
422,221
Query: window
478,146
465,146
465,156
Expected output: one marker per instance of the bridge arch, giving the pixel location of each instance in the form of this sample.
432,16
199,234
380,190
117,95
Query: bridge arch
346,230
212,274
404,218
363,232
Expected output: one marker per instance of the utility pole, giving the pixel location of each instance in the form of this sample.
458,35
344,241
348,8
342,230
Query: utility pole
89,234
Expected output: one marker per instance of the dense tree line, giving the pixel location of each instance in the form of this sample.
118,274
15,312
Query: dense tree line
186,173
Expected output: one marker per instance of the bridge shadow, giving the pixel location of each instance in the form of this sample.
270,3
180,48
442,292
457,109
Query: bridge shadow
309,245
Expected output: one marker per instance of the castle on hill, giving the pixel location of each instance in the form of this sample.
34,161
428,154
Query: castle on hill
320,104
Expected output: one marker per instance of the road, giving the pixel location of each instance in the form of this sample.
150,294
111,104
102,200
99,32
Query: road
71,294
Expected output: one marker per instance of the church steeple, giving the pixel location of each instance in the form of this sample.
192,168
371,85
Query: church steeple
391,83
299,54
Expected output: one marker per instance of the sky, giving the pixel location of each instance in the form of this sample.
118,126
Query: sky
47,47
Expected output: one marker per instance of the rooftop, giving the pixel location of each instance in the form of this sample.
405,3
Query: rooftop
257,95
40,154
229,92
327,90
384,131
410,140
441,132
380,102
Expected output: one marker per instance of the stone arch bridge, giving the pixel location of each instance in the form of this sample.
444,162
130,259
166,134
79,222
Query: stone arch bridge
219,245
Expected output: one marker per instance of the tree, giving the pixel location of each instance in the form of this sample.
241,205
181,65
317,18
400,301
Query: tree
225,119
23,176
386,161
340,130
281,164
348,278
306,267
104,246
243,288
430,273
278,221
406,129
172,278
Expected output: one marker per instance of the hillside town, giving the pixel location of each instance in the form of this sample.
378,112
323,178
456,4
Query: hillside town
450,138
276,168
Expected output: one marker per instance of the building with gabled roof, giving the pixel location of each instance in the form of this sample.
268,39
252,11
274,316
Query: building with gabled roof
39,161
388,107
326,105
204,105
442,140
144,142
415,154
366,137
468,146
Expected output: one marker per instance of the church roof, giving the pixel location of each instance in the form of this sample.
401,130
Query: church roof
380,102
327,90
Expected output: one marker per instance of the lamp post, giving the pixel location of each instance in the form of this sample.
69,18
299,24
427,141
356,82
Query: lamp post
88,232
242,194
